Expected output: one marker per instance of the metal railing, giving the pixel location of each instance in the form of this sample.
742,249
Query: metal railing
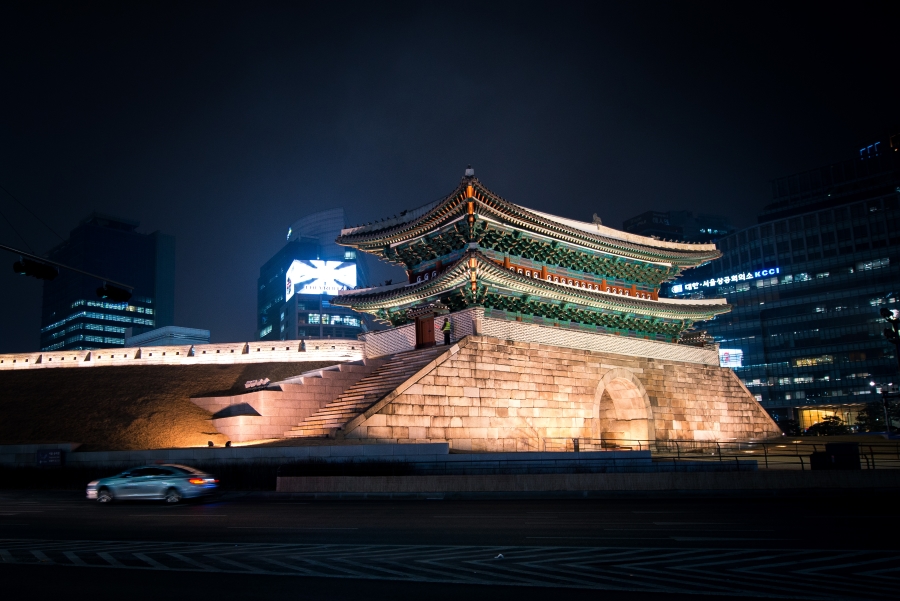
564,464
790,453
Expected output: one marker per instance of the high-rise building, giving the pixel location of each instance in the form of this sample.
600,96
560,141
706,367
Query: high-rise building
295,286
73,317
807,284
685,226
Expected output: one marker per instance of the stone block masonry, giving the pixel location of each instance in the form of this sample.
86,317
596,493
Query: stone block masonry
487,394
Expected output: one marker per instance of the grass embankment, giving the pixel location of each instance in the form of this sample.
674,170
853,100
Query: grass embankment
123,408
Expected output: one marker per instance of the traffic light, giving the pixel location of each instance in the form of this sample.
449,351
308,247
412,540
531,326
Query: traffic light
35,269
113,293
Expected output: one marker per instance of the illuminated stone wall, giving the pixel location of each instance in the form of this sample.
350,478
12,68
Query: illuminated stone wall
487,394
335,349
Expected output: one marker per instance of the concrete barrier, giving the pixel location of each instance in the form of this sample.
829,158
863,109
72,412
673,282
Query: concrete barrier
25,455
556,483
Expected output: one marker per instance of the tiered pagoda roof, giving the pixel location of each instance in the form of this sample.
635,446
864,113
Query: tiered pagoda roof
475,248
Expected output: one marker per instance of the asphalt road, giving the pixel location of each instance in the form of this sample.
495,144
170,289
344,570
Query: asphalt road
59,544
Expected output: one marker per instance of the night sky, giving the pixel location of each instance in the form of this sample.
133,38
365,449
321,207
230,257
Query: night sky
223,124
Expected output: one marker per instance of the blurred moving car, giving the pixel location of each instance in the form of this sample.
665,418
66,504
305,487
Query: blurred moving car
167,481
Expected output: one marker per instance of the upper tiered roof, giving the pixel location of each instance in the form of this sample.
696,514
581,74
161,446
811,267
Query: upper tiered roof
491,212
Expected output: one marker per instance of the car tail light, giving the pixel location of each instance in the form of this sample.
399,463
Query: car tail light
197,481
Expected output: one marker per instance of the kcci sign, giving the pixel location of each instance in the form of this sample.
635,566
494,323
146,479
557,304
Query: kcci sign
728,279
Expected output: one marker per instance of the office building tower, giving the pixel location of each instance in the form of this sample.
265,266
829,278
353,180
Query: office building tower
72,315
296,285
684,226
807,284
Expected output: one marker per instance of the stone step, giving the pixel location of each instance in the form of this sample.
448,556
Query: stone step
364,393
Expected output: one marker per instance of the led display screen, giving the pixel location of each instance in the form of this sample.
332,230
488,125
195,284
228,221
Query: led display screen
319,277
731,357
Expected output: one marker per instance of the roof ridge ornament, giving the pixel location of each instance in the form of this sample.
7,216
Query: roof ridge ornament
470,172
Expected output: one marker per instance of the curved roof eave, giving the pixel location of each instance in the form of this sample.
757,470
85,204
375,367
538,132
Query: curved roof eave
456,274
404,228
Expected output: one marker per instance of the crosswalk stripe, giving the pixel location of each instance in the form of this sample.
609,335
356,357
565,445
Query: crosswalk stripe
109,559
70,555
802,573
151,561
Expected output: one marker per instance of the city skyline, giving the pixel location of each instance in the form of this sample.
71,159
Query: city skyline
216,137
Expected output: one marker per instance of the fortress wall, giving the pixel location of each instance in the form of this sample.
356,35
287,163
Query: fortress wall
496,395
337,350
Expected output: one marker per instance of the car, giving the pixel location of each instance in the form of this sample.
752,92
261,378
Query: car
167,481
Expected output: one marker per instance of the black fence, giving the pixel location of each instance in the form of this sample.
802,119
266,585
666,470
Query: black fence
790,453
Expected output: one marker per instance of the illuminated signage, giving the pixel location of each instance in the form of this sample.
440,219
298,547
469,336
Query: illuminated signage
728,279
319,277
290,231
731,357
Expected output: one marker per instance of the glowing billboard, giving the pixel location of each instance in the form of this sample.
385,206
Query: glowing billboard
731,357
319,277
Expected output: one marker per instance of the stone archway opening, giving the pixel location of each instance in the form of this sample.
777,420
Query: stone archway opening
623,416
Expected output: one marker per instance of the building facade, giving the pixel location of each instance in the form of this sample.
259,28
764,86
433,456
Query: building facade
686,226
806,285
295,286
169,336
74,318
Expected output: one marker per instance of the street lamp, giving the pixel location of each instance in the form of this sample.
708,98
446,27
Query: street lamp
892,333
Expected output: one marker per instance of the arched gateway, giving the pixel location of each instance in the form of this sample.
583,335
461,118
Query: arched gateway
622,409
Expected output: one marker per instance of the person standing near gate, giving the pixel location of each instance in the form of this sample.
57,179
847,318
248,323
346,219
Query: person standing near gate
446,330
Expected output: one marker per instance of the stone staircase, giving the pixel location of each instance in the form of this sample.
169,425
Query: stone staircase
266,413
330,419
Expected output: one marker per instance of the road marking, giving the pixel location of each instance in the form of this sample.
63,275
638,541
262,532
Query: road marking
238,564
190,515
70,555
720,571
110,559
690,538
651,529
695,524
285,528
194,562
41,557
602,537
151,561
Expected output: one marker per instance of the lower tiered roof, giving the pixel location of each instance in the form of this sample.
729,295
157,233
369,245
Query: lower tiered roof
476,279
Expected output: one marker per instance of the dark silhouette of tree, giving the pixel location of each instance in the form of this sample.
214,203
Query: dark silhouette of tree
830,426
791,427
871,419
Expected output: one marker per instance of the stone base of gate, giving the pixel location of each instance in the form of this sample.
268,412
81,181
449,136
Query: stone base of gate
487,394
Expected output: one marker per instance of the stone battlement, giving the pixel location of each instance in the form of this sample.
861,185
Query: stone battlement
337,350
